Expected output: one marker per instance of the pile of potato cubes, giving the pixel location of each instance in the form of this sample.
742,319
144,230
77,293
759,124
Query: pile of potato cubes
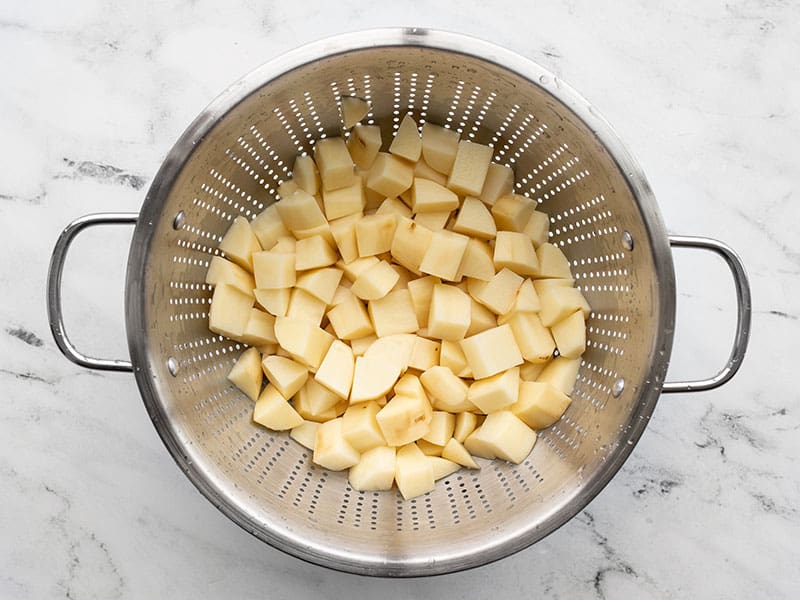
403,305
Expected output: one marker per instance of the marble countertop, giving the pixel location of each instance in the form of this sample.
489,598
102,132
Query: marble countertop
94,94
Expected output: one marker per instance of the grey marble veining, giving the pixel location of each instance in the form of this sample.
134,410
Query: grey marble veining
94,93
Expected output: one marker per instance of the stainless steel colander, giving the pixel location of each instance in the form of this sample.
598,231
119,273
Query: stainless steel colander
229,163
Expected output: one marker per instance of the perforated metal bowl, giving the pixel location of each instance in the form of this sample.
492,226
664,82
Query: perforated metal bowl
229,162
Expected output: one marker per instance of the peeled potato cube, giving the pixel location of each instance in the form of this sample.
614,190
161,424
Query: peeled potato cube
475,220
441,428
404,419
275,302
303,340
427,448
394,313
372,379
268,227
495,393
331,450
239,243
246,374
390,175
502,435
425,354
305,434
424,170
428,196
534,339
491,351
273,411
499,182
421,291
306,307
453,450
515,251
300,211
447,391
344,201
374,470
393,349
229,311
224,271
374,234
527,300
466,422
287,188
537,228
512,212
353,109
315,402
439,147
274,270
413,472
552,262
320,283
481,318
334,163
434,221
259,330
443,256
285,245
343,231
540,404
407,142
542,285
470,168
393,206
362,344
498,293
305,174
352,270
364,145
570,335
453,358
336,370
561,373
560,302
477,262
360,427
375,282
449,315
314,253
285,374
410,243
350,319
441,466
530,371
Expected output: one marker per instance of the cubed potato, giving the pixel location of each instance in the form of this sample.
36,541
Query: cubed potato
364,145
405,419
526,300
497,392
560,302
407,142
428,196
491,351
475,220
410,243
515,251
499,182
552,263
314,402
275,302
413,472
360,427
320,283
540,404
512,212
404,276
350,319
449,314
441,466
224,271
336,370
274,412
353,109
355,268
425,354
334,163
246,374
427,448
331,450
390,175
542,285
534,339
454,451
530,371
260,329
239,243
344,233
274,270
537,228
481,318
300,211
421,291
410,385
229,311
502,435
344,201
374,471
303,305
287,188
323,231
434,221
374,234
372,379
424,170
285,374
268,227
561,373
570,335
375,282
313,253
305,434
452,357
305,174
285,245
466,422
306,342
498,293
360,345
394,206
443,256
394,313
470,168
395,349
447,391
478,261
439,147
441,428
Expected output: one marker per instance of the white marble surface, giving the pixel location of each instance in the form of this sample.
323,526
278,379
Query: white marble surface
95,92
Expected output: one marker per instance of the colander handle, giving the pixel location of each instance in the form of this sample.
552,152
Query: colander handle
743,313
54,289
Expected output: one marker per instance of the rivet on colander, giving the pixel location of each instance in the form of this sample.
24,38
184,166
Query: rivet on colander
172,366
627,240
178,221
617,388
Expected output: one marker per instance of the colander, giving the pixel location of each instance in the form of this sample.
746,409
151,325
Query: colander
229,163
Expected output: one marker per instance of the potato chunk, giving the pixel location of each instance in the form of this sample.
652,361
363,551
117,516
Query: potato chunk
540,404
268,227
350,319
336,370
331,450
414,472
512,212
313,253
364,145
560,302
305,434
394,313
552,262
246,374
410,243
449,315
229,311
344,201
444,254
498,293
561,373
407,142
374,471
515,251
274,270
320,283
469,168
466,422
570,335
360,427
502,435
285,374
477,261
374,234
240,242
475,220
495,393
428,196
441,428
534,339
335,165
447,391
439,147
273,411
491,351
405,419
375,282
390,175
303,340
453,450
353,109
499,182
305,174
